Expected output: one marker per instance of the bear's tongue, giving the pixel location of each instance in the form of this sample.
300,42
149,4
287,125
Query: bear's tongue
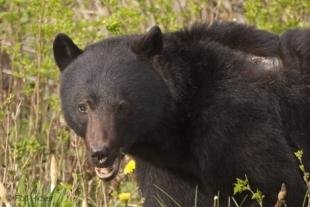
104,173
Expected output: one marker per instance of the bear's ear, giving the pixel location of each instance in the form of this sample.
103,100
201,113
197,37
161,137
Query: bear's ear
149,44
65,51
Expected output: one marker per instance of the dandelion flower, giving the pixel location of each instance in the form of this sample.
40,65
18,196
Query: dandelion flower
124,197
130,167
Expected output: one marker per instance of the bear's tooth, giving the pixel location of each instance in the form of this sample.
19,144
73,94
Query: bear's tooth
102,160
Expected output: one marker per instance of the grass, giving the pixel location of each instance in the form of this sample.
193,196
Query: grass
32,129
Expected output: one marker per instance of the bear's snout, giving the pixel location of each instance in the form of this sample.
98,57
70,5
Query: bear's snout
99,156
100,139
102,157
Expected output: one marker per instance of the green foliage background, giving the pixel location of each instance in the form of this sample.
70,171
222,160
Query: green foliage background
31,125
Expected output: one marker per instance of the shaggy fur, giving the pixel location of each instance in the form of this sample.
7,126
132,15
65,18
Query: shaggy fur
199,113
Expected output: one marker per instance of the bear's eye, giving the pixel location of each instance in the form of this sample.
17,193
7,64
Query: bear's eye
82,108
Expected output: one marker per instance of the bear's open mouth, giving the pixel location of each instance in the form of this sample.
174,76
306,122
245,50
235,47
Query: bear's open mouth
108,173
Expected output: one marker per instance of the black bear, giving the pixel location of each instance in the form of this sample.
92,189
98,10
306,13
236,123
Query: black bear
193,109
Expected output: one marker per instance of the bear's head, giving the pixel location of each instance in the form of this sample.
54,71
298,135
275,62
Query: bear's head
111,94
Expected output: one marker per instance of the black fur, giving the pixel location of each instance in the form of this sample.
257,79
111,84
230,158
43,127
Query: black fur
65,51
150,44
199,114
295,50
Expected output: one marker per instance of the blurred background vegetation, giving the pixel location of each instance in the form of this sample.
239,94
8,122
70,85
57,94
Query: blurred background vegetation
37,150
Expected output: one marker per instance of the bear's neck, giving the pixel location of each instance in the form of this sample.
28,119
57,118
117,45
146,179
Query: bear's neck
168,144
167,149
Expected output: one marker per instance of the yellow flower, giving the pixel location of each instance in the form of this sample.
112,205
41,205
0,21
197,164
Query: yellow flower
130,167
124,197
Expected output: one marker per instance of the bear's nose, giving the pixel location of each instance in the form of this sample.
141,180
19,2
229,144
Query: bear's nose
99,154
